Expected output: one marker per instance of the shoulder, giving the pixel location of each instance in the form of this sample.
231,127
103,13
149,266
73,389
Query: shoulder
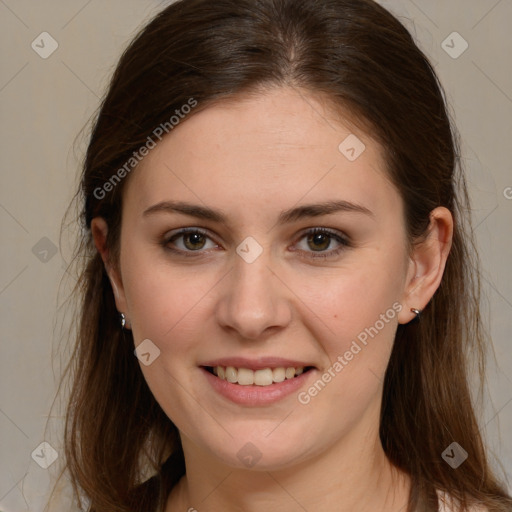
449,504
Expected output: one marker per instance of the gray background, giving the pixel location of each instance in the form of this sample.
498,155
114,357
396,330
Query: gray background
44,104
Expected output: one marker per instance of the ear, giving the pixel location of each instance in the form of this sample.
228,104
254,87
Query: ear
99,230
427,263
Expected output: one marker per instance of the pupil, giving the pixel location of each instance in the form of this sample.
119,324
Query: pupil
194,239
318,238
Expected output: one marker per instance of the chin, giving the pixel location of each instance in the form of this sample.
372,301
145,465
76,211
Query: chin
261,453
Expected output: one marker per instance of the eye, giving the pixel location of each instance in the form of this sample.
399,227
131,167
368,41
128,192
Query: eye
313,243
188,240
318,240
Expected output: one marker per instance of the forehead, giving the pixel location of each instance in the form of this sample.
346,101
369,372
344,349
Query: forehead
264,150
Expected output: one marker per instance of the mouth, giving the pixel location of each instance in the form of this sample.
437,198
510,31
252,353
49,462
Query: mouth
262,377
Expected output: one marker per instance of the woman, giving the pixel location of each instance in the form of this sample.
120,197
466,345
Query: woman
279,295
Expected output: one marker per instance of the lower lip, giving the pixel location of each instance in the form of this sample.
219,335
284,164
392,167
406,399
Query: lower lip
256,395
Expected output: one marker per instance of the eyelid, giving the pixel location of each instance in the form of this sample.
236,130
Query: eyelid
189,229
328,231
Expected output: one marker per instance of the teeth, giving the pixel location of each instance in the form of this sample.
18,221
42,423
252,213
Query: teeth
245,377
289,373
263,377
278,374
231,374
248,377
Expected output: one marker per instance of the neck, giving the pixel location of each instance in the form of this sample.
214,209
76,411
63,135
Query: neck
348,477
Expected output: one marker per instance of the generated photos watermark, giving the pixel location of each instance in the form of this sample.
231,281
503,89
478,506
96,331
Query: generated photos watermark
304,397
161,130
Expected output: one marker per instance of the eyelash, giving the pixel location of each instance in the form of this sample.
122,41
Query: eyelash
342,240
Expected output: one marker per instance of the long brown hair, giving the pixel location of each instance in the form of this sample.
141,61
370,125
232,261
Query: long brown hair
362,58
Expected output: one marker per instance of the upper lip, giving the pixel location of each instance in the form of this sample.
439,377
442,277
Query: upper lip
256,364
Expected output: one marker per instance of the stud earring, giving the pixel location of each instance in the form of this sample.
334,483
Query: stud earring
122,319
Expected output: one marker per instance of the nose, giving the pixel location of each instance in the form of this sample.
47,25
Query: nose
253,300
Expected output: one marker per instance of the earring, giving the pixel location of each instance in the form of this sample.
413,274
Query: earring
122,319
417,312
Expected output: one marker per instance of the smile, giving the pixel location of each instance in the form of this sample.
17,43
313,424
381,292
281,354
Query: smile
262,377
255,387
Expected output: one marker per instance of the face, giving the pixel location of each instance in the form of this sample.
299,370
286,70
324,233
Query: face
252,243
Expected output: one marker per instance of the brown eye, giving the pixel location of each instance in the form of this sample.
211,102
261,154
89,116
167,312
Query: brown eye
189,241
194,241
319,241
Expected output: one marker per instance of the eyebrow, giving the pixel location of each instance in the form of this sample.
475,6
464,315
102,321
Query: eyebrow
285,217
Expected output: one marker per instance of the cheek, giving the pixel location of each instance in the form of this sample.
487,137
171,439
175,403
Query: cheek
162,298
356,326
168,307
353,314
354,298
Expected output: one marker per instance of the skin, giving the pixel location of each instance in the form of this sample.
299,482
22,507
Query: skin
252,158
